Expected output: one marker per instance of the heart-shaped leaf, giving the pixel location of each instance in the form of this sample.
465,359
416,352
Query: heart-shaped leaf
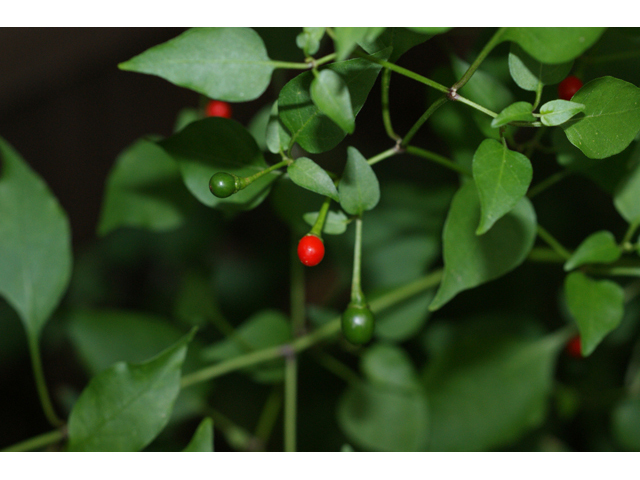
610,120
596,305
35,243
126,406
502,177
599,247
224,63
471,260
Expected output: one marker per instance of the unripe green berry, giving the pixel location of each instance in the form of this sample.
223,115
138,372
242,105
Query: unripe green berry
357,324
223,184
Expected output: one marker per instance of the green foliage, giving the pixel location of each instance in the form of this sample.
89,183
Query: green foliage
465,199
127,395
610,120
596,305
471,260
35,243
223,63
502,177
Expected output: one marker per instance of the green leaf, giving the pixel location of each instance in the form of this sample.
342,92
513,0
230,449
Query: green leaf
347,38
331,95
278,138
626,196
516,112
104,337
202,440
429,30
530,74
226,63
383,419
335,223
471,260
399,39
309,40
488,386
403,320
556,112
306,173
268,328
126,406
144,190
390,366
359,188
309,127
599,247
35,243
502,177
552,44
611,118
596,305
216,145
625,420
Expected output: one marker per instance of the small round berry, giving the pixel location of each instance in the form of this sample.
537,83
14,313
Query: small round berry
310,250
574,347
222,184
216,108
357,324
568,87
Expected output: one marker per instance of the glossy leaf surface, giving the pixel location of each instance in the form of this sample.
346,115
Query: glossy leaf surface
530,74
331,95
359,188
599,247
306,173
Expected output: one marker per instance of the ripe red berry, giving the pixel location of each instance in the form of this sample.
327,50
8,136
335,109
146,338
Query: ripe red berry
568,87
574,347
310,250
216,108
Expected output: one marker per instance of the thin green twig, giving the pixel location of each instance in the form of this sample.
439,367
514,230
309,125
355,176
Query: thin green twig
420,152
38,441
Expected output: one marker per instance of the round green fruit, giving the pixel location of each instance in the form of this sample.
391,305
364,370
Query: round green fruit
357,324
223,184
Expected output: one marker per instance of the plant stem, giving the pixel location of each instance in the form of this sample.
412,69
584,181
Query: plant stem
41,385
246,181
336,367
386,116
403,71
322,216
37,442
616,271
553,243
290,402
292,65
425,116
300,344
495,40
420,152
381,156
357,297
460,98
